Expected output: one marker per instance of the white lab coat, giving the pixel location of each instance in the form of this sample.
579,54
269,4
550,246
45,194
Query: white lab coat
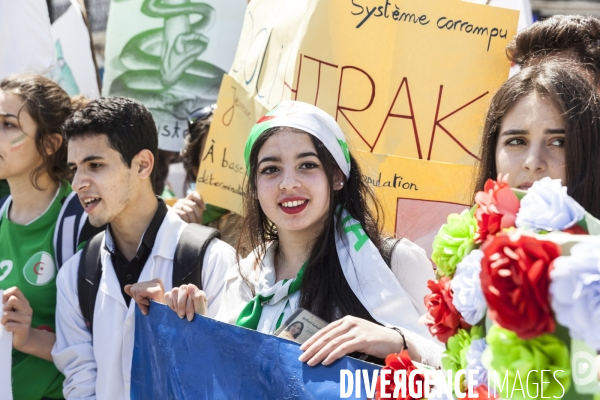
102,369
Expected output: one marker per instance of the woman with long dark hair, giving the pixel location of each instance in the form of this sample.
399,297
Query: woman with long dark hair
545,121
314,226
41,224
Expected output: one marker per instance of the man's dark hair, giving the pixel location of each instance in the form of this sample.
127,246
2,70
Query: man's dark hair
127,124
575,34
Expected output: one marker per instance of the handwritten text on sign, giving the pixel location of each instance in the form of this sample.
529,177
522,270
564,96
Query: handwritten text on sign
408,79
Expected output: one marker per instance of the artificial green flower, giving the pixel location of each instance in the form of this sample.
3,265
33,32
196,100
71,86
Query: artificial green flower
524,362
455,356
453,242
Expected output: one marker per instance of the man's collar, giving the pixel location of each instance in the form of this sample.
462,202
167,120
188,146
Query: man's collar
149,236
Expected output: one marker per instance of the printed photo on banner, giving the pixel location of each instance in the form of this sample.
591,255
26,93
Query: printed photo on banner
300,326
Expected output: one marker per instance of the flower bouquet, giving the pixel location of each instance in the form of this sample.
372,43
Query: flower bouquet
518,294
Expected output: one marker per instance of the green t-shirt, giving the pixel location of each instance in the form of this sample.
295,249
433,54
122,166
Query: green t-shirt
27,261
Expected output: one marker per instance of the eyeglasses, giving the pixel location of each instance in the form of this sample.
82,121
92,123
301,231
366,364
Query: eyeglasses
200,114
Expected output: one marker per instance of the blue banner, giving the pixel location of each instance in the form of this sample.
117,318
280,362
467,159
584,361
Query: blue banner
206,359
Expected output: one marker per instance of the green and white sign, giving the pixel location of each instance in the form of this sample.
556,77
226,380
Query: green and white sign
171,55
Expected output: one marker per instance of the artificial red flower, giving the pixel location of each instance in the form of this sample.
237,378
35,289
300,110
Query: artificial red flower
497,208
399,362
515,277
442,318
576,230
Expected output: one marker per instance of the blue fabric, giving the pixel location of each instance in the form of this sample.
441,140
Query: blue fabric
207,359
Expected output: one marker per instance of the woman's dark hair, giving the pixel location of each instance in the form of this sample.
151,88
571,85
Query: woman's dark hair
575,36
325,291
161,169
566,86
49,106
190,154
295,335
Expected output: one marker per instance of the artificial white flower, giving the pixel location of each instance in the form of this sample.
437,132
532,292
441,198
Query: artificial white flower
468,297
548,207
575,292
474,361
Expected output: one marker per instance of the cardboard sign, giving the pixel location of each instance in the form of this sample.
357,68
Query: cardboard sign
408,81
170,55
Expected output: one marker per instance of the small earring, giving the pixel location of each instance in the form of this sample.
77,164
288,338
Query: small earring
341,183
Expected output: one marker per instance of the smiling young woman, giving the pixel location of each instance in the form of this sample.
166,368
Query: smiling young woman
545,121
313,225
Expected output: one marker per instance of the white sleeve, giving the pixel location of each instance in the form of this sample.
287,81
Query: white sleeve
73,352
413,269
219,257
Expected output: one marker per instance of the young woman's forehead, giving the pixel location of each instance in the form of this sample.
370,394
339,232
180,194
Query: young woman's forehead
10,103
288,142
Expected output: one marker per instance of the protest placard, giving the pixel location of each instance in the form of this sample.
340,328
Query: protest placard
524,7
27,42
208,359
408,81
5,361
75,68
170,55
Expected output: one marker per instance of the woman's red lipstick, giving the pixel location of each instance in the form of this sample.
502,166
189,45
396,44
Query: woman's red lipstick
294,209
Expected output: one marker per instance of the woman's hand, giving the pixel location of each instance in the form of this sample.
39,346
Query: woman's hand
348,335
190,208
186,301
16,317
143,292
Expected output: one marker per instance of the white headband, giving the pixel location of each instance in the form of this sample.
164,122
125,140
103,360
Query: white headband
310,119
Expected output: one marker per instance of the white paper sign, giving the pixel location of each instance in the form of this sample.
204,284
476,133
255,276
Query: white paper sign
171,57
5,361
26,39
74,70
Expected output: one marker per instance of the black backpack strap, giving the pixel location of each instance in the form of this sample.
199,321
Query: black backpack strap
189,254
88,278
389,243
2,201
3,204
69,223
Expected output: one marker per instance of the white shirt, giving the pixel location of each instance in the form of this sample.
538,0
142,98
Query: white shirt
410,266
102,368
